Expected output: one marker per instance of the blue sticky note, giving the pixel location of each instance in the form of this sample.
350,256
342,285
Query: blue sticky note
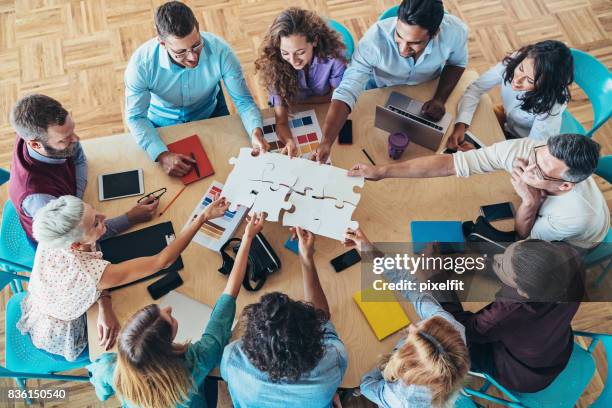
447,233
292,245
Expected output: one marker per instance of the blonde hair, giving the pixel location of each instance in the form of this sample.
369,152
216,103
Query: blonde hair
58,223
434,356
151,370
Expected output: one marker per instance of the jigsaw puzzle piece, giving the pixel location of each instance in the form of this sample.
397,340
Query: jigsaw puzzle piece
243,193
247,166
334,221
271,201
278,170
305,209
339,186
311,176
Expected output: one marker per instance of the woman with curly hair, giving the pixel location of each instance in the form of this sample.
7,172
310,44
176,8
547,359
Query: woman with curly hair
301,61
535,91
290,354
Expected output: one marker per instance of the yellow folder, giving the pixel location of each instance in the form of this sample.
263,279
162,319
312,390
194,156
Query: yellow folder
383,312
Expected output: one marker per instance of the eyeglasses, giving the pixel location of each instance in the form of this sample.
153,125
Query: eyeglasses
182,54
155,194
538,170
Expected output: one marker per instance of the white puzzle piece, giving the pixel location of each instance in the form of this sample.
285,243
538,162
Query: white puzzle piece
271,201
334,221
278,170
340,187
305,211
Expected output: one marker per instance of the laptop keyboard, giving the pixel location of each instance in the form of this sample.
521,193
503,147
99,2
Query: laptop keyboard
414,117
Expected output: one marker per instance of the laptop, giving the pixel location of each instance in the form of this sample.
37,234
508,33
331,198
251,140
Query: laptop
403,114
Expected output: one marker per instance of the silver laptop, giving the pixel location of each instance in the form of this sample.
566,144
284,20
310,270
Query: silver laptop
403,114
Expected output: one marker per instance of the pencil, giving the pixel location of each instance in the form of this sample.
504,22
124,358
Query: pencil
172,201
368,156
195,166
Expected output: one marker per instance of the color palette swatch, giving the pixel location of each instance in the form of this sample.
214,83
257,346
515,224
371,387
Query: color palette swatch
214,233
304,128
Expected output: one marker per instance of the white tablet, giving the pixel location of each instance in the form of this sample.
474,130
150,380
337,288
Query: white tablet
119,185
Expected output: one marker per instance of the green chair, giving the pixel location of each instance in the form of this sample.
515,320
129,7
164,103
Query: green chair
347,38
595,80
390,12
23,359
566,389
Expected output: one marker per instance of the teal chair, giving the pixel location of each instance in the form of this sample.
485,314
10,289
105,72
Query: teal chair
23,360
347,38
566,389
14,243
595,79
390,12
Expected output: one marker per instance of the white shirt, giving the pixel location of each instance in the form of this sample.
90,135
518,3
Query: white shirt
580,217
518,122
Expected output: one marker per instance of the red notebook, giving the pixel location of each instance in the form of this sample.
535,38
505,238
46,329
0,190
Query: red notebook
192,147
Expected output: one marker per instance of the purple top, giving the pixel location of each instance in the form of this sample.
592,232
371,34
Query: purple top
323,74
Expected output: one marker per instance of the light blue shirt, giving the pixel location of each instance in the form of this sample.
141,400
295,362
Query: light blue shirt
34,202
397,394
161,92
250,387
377,62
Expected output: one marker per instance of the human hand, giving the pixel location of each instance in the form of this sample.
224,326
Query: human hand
365,170
529,195
356,238
144,211
216,209
433,109
457,137
466,146
255,223
290,149
175,164
108,325
321,154
306,241
259,143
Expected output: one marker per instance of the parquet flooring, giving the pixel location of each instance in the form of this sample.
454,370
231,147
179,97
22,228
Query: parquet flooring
77,50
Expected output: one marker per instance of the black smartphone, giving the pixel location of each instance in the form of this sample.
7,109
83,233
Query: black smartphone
496,212
169,282
345,260
346,133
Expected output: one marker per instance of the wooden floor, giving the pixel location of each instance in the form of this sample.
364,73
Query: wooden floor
77,50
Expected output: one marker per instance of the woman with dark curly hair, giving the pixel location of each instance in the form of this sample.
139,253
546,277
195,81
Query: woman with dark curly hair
290,354
535,91
301,61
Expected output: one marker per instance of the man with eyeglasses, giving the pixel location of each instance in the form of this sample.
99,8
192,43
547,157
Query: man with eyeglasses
176,77
560,201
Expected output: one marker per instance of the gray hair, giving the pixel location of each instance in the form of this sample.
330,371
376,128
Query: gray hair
33,114
579,153
58,223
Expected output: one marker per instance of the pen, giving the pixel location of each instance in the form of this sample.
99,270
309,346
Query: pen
172,201
368,156
195,166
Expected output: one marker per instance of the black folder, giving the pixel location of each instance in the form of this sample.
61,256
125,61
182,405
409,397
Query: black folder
145,242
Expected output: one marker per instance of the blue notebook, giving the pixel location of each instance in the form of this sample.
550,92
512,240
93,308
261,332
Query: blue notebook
447,233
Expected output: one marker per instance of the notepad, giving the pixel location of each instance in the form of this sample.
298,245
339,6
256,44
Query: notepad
447,233
385,315
192,146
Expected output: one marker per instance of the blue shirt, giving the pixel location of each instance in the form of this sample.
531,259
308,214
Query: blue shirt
34,202
250,387
397,394
200,359
161,92
377,62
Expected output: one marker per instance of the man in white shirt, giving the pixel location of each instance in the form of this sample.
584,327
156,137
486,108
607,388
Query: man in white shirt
560,199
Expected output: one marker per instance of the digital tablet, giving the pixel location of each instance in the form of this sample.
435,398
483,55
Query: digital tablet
122,184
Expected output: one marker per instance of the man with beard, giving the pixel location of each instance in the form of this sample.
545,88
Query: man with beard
420,44
48,162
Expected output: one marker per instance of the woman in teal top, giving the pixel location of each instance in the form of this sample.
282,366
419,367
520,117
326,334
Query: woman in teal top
150,370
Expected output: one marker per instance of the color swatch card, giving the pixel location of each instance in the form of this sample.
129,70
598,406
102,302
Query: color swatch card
192,147
384,314
304,128
214,233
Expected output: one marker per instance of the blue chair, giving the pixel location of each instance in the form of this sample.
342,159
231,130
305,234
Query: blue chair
595,79
390,12
14,243
23,360
347,38
566,389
